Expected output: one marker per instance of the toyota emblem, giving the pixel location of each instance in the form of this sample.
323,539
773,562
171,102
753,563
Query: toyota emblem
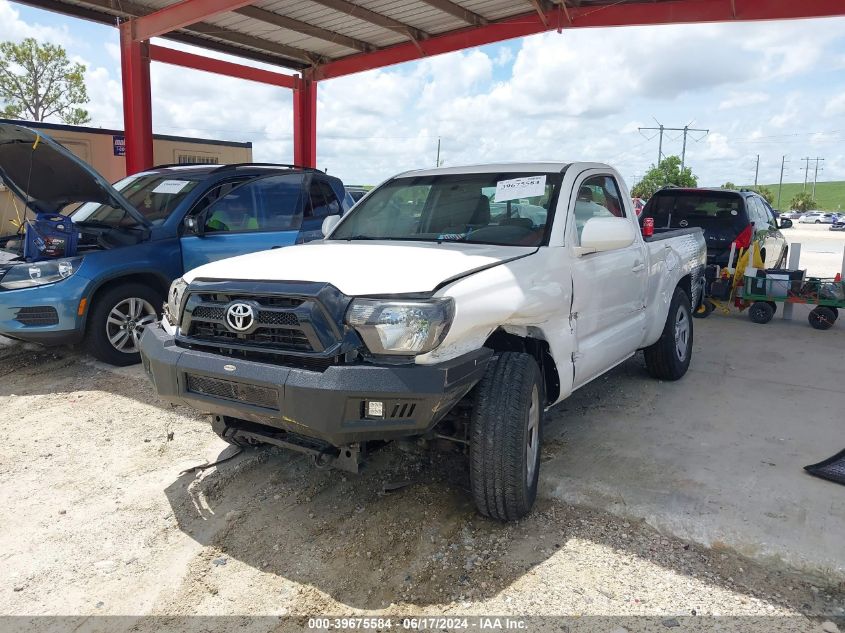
240,317
684,223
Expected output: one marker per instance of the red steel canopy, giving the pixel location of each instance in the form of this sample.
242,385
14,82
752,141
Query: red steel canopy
322,39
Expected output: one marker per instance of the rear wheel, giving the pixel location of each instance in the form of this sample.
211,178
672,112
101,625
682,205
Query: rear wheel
761,312
117,321
669,357
822,318
505,437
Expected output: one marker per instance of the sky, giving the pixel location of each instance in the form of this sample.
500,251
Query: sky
769,88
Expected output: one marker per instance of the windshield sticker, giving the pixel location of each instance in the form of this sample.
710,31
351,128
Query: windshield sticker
171,187
529,187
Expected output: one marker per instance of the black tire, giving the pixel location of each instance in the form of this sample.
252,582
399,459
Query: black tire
704,310
822,318
224,431
818,222
505,437
761,312
669,359
99,327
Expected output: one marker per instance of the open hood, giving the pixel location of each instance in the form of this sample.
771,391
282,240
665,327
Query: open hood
48,177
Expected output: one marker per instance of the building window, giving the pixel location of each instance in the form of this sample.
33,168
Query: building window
193,159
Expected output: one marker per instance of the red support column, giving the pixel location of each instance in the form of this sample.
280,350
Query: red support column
305,123
137,105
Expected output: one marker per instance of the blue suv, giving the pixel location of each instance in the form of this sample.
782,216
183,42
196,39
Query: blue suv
135,237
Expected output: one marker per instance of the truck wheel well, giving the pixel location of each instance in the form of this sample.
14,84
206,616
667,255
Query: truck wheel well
501,341
686,284
148,279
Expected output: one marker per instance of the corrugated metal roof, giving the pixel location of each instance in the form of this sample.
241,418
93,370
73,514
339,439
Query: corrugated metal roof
300,34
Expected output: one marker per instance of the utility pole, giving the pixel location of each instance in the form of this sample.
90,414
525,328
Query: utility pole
757,170
806,171
816,175
780,184
437,164
662,128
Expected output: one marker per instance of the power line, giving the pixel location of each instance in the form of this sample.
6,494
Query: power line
662,129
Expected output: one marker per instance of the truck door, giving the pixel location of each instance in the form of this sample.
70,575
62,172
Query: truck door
256,215
608,288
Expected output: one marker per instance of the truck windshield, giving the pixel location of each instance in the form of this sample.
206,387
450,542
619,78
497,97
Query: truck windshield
511,209
154,196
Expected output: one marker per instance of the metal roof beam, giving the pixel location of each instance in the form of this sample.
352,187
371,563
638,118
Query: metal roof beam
457,11
372,17
583,16
236,37
179,15
128,9
219,67
282,21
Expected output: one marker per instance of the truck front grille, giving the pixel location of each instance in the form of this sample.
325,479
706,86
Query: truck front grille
230,390
296,324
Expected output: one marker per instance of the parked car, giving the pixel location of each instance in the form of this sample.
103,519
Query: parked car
792,215
726,217
356,193
137,236
839,223
425,315
818,217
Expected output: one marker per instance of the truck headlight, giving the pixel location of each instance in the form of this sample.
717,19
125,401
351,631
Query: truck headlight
173,307
40,273
401,327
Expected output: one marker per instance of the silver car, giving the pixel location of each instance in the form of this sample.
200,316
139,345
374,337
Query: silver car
818,218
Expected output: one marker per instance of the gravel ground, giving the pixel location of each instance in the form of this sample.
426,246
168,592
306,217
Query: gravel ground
98,520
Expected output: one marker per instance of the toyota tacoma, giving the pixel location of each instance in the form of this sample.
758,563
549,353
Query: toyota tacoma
452,304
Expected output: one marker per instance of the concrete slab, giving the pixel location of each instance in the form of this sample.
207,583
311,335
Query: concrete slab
718,457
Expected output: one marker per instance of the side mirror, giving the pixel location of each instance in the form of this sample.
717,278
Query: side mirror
606,234
329,223
785,223
192,225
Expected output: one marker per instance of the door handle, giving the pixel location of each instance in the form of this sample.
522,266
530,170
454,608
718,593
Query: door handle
638,267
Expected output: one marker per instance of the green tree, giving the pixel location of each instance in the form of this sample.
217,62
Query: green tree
803,201
729,185
767,193
39,81
668,172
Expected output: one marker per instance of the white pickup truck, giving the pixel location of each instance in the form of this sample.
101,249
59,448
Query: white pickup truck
456,303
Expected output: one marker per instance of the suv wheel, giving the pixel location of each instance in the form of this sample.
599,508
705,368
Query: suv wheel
117,321
669,357
505,436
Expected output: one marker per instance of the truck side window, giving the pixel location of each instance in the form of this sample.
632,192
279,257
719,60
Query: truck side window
598,197
264,204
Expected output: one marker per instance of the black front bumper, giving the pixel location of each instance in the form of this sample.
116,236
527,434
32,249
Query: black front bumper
330,406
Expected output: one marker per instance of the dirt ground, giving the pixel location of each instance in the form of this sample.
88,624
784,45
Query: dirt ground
99,519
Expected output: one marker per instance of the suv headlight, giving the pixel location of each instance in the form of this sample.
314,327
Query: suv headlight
401,327
40,273
173,307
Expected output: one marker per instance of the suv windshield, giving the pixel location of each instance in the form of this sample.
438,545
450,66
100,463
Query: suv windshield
512,209
154,196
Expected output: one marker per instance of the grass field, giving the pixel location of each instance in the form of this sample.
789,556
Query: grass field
830,196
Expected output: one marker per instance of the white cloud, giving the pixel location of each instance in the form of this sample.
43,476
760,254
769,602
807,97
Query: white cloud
738,99
14,29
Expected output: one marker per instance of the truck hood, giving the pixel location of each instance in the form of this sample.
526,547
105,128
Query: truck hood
48,177
363,268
